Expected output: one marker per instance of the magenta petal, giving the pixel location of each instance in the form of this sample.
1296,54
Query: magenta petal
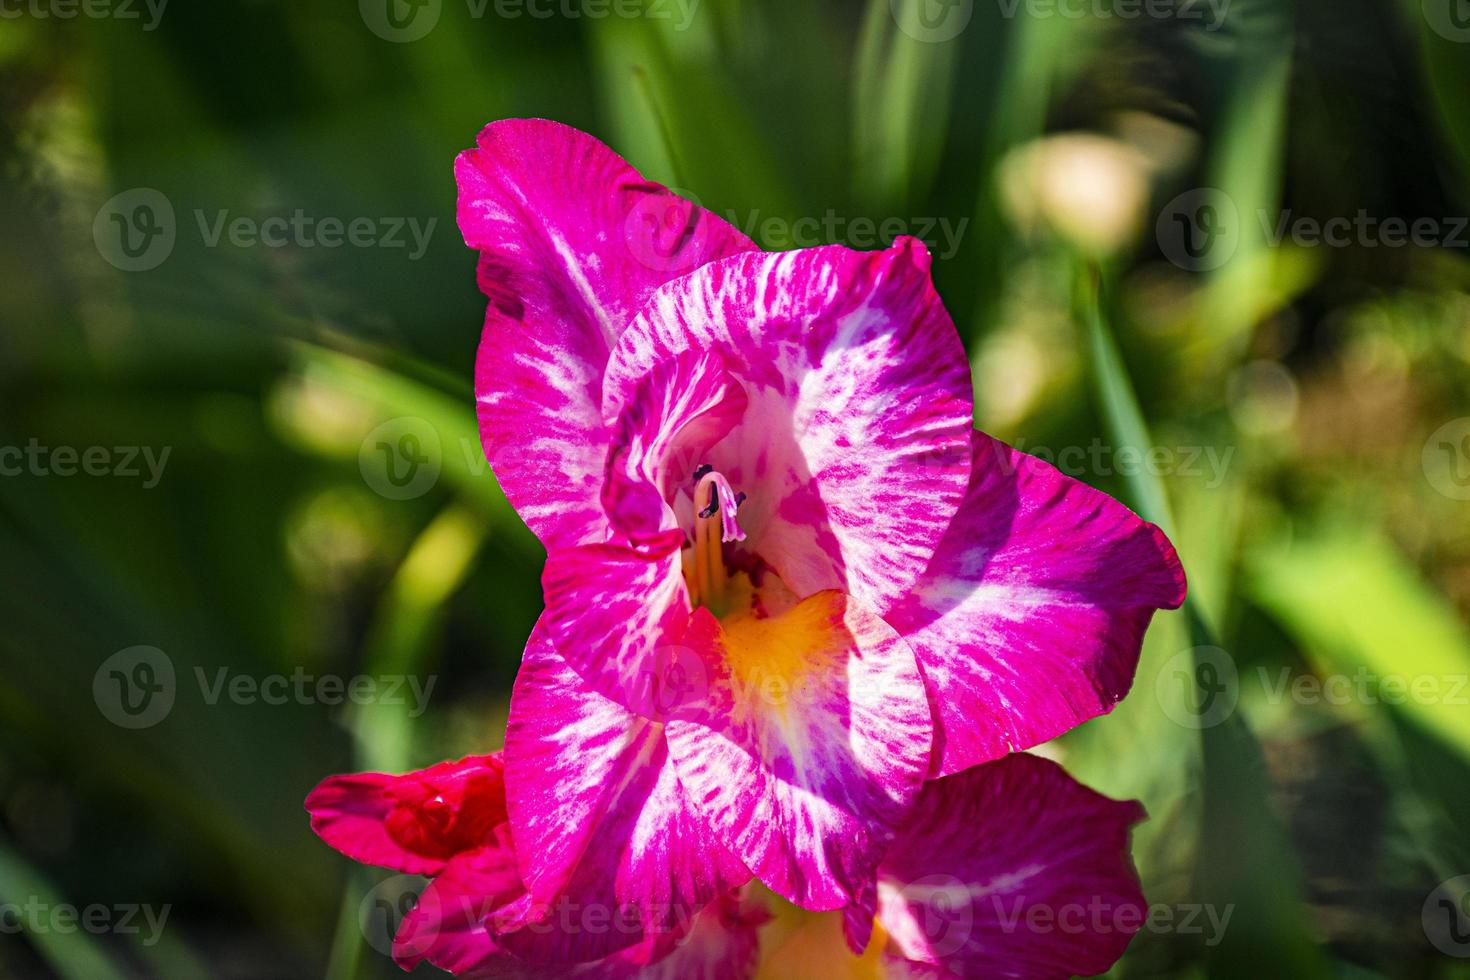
854,447
595,806
1013,869
722,943
455,923
810,745
1031,617
572,240
412,822
615,616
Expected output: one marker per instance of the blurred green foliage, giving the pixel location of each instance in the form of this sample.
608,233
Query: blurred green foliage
1302,393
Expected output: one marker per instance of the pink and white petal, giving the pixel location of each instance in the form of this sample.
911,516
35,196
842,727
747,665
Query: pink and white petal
722,943
809,748
412,822
572,241
1031,617
854,447
616,616
595,805
1013,869
684,406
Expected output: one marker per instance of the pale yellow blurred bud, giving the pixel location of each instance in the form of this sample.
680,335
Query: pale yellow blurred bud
1087,189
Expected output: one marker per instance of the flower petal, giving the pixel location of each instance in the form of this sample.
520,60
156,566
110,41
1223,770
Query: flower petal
415,822
854,448
595,806
572,240
615,613
810,745
685,406
1030,619
1012,869
457,918
722,943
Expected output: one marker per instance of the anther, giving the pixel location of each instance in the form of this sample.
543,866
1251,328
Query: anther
701,470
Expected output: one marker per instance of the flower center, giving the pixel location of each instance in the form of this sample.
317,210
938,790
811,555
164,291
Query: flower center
715,503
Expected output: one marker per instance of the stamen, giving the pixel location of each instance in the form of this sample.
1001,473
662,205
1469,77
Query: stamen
722,501
701,470
715,525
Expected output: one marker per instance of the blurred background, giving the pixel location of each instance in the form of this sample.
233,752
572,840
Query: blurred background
1209,255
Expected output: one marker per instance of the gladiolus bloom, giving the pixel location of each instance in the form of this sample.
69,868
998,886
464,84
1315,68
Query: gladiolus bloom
797,609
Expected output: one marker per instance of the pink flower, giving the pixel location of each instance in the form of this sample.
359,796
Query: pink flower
796,606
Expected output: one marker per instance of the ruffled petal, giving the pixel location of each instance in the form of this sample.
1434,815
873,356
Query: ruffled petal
572,240
1012,869
595,805
457,918
1031,617
616,615
720,943
809,746
413,822
854,446
685,406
